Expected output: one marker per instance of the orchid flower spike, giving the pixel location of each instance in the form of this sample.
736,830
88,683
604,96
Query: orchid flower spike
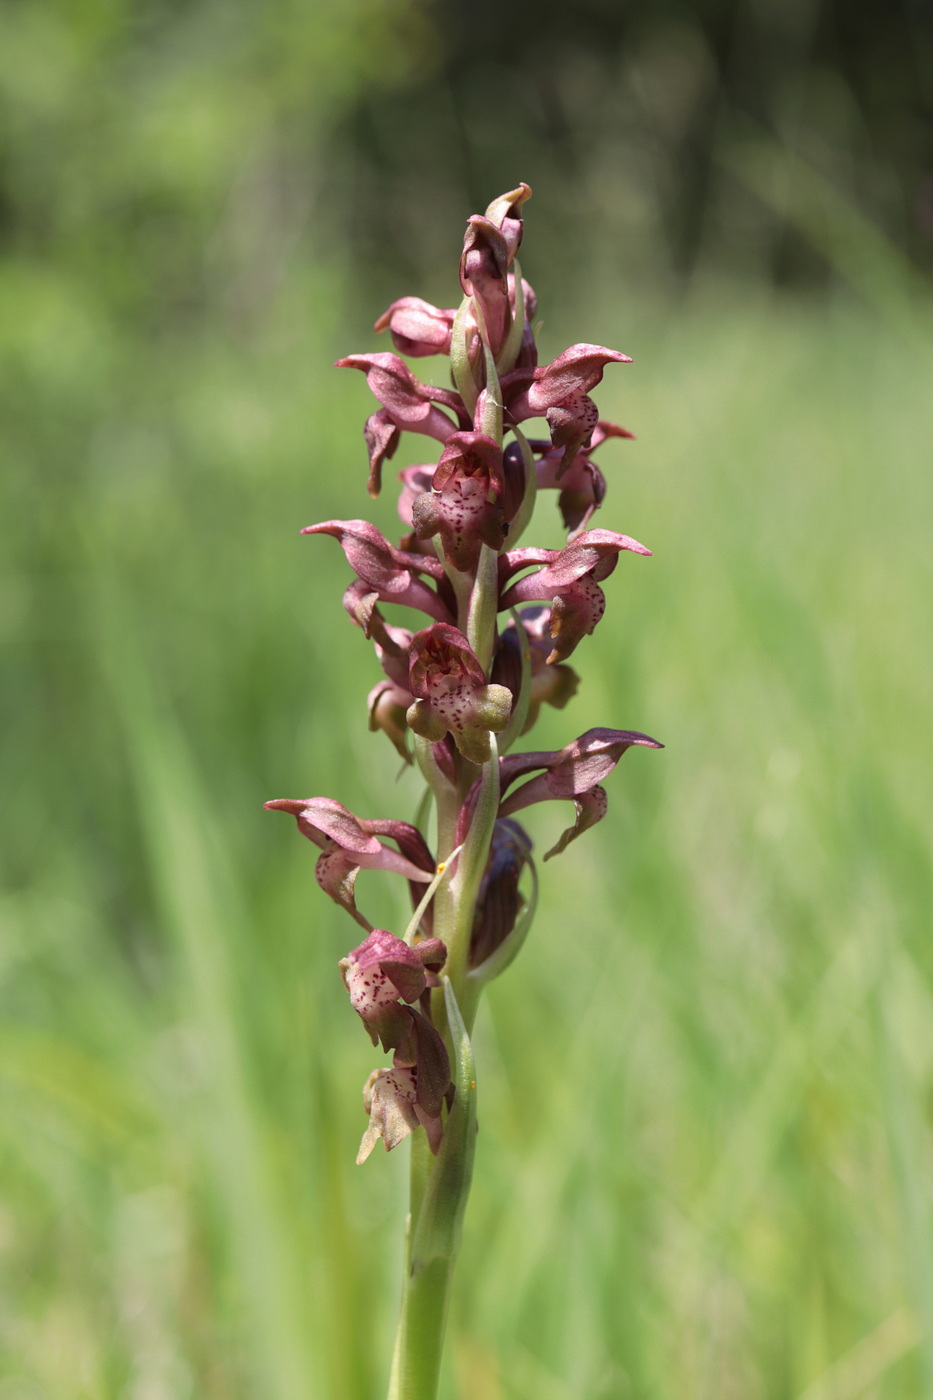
472,630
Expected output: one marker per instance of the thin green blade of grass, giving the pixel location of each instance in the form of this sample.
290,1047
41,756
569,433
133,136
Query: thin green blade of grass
81,1085
871,263
204,909
910,1153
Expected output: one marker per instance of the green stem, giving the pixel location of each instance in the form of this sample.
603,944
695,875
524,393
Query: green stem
460,359
439,1198
416,1366
440,1186
464,883
484,608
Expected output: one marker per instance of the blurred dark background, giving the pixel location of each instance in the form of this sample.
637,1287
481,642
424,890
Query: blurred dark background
194,146
633,115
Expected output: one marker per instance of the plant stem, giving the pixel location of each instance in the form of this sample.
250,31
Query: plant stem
421,1164
439,1193
419,1345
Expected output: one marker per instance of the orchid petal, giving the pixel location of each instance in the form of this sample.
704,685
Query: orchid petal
458,507
390,574
452,695
389,1099
382,438
569,581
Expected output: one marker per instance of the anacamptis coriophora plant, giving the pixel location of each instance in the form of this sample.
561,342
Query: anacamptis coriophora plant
501,622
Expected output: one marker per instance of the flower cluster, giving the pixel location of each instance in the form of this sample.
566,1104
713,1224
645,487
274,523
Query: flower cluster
501,621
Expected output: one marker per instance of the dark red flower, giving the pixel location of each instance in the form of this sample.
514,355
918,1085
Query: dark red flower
458,505
574,772
384,971
407,405
381,975
389,575
452,696
569,581
349,844
559,392
582,485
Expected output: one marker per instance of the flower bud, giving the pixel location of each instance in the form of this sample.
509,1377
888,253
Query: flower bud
387,709
499,901
417,328
504,214
550,683
484,270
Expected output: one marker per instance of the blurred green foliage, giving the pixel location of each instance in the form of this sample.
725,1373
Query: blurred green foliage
704,1159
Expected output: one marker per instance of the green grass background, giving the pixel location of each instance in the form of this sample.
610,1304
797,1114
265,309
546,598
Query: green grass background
704,1163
